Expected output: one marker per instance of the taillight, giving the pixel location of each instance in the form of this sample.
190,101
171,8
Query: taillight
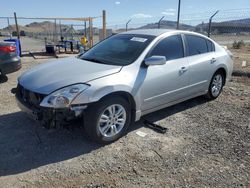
7,49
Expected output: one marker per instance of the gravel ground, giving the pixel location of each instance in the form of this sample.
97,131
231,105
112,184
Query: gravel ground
207,145
241,55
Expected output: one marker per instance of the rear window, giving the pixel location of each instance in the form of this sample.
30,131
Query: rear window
196,45
210,46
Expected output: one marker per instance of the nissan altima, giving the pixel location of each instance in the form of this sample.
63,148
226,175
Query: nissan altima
123,78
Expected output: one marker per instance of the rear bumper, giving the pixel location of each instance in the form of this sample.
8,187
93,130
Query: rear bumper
10,66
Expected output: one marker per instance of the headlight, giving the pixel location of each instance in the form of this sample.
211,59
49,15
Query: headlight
63,97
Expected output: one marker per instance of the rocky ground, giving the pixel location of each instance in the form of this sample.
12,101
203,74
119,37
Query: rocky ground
241,55
207,145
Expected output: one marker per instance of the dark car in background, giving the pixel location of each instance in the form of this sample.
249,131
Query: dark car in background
9,58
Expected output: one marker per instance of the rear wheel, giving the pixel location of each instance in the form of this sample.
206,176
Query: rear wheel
107,120
216,85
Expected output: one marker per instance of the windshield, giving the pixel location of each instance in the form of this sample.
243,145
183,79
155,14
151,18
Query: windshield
121,49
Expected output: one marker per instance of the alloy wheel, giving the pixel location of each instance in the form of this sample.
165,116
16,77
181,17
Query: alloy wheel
112,120
216,85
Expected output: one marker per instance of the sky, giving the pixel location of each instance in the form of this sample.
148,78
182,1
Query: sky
118,11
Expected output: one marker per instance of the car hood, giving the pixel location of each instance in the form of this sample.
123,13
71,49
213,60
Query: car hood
48,77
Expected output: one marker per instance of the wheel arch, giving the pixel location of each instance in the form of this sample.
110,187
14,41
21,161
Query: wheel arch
224,72
125,95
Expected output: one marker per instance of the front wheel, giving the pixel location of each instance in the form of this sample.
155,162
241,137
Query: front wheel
216,85
107,120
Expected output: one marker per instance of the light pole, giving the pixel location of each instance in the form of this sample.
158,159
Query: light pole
178,17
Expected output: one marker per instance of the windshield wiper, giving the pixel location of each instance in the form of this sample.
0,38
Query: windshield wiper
93,60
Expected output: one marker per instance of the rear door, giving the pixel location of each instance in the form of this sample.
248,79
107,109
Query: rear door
201,58
168,82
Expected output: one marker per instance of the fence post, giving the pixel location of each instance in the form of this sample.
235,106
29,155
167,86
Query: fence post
72,36
127,24
17,28
91,32
8,20
210,23
104,24
55,33
60,27
159,22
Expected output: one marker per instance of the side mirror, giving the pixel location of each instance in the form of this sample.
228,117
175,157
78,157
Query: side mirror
155,60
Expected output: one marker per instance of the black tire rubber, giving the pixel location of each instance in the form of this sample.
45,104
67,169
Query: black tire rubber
94,111
209,92
3,78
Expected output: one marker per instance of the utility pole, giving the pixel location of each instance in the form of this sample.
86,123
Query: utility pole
127,24
159,22
210,23
178,18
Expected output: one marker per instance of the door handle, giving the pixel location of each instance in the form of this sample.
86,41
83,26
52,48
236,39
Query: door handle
213,60
183,69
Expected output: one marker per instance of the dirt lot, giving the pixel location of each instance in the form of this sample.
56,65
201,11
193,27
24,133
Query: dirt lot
242,54
207,145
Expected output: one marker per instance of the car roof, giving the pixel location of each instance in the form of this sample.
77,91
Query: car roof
158,32
153,32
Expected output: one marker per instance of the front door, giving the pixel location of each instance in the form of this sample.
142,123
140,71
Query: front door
169,82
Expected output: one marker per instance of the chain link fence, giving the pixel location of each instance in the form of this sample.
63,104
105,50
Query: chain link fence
36,33
227,26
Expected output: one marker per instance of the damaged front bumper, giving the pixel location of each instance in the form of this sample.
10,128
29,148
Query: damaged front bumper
50,117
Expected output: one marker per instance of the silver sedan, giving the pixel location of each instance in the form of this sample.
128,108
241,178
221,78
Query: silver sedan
123,78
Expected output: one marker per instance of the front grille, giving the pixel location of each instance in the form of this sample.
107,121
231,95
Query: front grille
28,97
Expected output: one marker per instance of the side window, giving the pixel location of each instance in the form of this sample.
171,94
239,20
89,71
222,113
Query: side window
170,47
210,46
196,45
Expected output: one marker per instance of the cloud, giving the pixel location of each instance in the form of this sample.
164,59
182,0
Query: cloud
170,10
117,2
141,15
168,13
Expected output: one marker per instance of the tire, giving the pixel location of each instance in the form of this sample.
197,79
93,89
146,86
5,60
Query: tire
3,78
98,112
216,85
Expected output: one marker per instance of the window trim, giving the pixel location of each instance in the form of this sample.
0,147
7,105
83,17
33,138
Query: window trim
163,38
187,47
213,46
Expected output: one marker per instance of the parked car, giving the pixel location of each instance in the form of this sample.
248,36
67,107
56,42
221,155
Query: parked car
9,60
123,78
